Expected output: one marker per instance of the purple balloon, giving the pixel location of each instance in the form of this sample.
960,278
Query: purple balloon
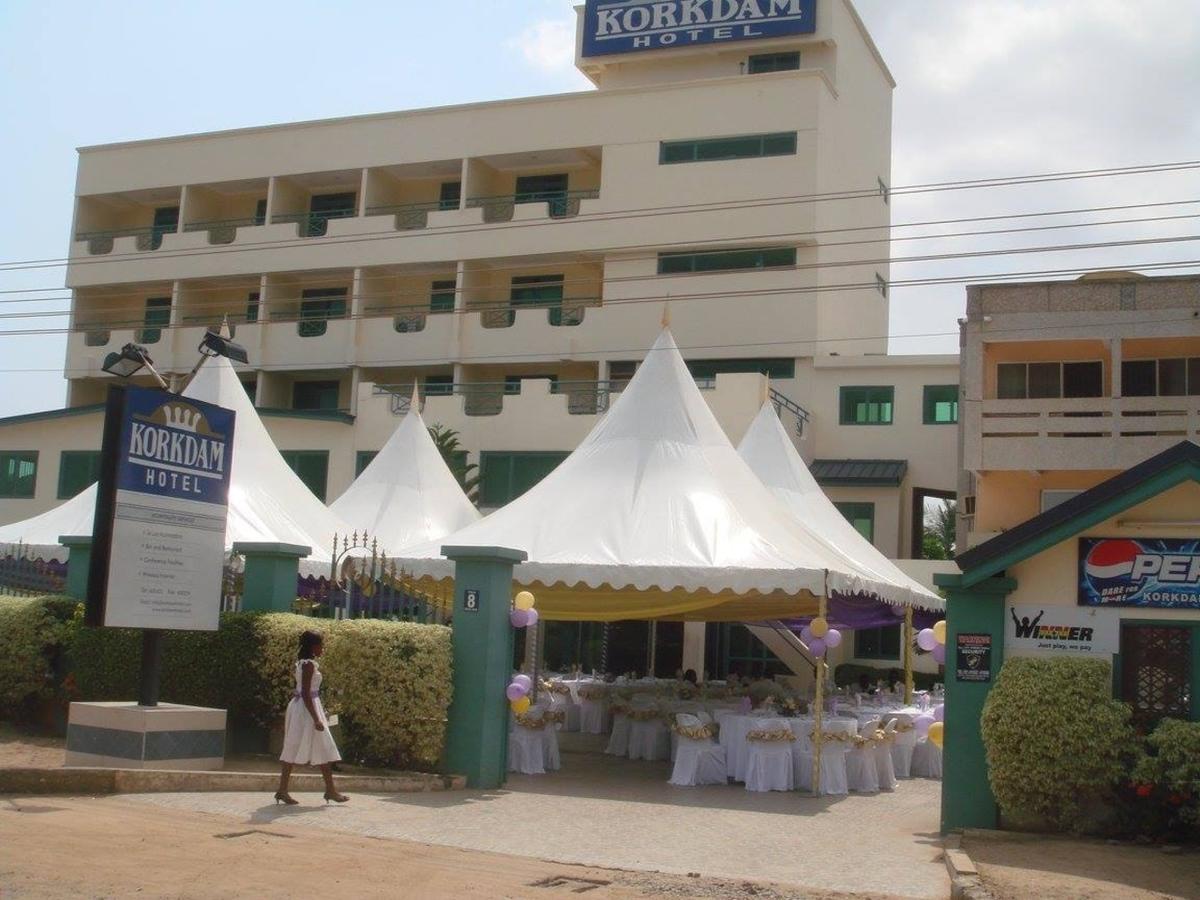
531,617
524,681
898,612
515,692
833,638
926,639
922,723
519,618
816,647
939,654
939,712
806,635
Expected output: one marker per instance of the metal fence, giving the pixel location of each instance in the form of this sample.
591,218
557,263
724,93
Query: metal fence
23,576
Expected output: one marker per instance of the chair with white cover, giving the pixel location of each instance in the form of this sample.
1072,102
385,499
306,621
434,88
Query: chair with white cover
926,760
561,704
618,741
903,746
833,761
648,735
883,758
769,765
699,759
593,710
862,773
527,744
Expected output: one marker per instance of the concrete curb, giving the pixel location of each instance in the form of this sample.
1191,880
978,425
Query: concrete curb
154,781
965,883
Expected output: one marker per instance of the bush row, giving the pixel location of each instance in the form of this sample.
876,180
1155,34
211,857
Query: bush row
1063,754
389,682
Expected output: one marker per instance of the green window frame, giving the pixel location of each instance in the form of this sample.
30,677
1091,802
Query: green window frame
317,307
156,317
309,395
866,404
362,459
312,467
939,404
861,515
77,470
543,189
439,385
761,63
450,195
18,474
441,295
877,643
252,303
504,476
769,366
537,290
323,207
260,211
166,221
726,260
746,146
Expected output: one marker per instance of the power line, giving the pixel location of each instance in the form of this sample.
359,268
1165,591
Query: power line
643,212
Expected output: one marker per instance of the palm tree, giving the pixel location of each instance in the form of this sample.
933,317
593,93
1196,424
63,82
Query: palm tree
939,531
464,472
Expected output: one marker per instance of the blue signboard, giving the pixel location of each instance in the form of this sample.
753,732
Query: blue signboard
161,512
629,26
1162,573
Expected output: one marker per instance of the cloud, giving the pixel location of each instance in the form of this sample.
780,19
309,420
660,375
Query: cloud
548,44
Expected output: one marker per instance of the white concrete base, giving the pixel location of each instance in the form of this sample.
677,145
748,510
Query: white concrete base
125,735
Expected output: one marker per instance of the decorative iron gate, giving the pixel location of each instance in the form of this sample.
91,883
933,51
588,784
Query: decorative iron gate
27,577
1156,671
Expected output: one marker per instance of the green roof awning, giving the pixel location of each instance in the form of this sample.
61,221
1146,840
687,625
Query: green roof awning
860,472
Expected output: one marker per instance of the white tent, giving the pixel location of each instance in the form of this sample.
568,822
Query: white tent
656,516
772,456
267,500
407,494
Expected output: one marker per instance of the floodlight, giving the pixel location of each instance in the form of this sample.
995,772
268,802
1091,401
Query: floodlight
217,345
131,360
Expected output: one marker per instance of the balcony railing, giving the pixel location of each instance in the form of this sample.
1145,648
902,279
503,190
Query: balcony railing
562,204
412,216
313,224
224,231
786,404
566,313
101,242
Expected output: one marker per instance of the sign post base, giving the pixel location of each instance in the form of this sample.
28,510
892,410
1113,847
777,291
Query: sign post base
124,735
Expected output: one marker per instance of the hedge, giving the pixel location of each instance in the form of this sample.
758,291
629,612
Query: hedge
390,682
1057,743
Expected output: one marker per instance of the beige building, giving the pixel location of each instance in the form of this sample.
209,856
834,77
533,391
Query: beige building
514,259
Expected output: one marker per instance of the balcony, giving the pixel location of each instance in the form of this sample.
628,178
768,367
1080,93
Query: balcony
130,222
554,204
1101,433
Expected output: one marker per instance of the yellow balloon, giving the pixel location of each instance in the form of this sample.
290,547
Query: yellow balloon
939,630
937,734
521,705
523,600
819,627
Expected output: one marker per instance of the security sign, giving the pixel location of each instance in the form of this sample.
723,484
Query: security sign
1162,573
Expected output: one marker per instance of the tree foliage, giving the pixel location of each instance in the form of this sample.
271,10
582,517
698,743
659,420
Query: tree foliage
465,473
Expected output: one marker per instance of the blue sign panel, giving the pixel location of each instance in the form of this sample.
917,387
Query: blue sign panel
629,26
1150,572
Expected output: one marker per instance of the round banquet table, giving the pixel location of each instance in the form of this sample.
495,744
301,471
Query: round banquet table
734,729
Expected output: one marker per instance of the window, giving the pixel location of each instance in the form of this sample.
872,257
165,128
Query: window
363,459
315,394
323,207
77,469
866,405
317,307
877,643
1049,380
156,317
1160,377
18,473
540,188
505,476
312,466
750,146
538,290
252,306
439,385
450,195
441,296
940,404
166,221
260,212
773,62
251,388
726,260
772,368
861,516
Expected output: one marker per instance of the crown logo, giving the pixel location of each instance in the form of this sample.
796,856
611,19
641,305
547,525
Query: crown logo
182,417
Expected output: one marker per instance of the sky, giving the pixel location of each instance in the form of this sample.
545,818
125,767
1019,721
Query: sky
985,88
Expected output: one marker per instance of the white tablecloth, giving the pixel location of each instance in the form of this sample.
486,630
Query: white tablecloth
734,729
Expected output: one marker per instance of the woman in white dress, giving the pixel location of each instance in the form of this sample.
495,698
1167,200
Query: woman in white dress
306,737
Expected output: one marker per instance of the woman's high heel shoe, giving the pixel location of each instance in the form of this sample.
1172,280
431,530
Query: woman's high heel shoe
335,797
286,799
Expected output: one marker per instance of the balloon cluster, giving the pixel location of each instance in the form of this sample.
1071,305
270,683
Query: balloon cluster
819,637
933,640
931,725
518,693
523,614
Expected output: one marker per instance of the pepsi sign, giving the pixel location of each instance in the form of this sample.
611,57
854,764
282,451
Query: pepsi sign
629,26
1154,572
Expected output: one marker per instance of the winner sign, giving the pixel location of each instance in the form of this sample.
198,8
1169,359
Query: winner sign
161,512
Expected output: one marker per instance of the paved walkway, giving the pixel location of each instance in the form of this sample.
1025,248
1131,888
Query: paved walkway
605,812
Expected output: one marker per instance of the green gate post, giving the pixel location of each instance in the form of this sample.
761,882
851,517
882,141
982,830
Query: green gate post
78,563
967,800
269,582
477,735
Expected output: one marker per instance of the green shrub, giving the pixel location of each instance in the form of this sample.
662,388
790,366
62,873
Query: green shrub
35,631
1056,741
1164,791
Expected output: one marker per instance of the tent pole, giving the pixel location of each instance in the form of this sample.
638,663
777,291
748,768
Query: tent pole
819,702
908,660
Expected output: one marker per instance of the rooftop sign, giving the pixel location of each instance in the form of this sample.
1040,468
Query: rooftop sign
629,26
